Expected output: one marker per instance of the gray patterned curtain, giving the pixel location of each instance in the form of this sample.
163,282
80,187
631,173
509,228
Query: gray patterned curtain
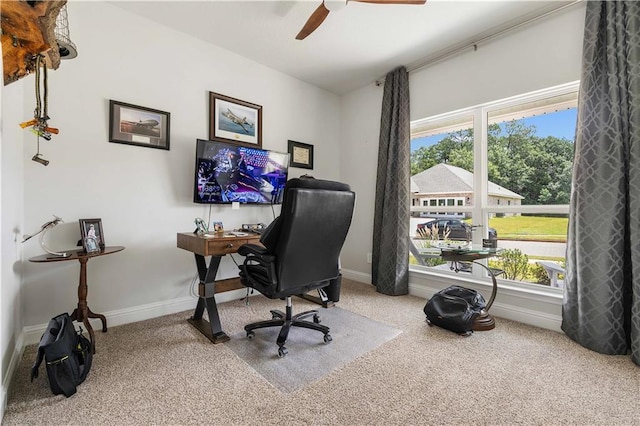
390,257
601,308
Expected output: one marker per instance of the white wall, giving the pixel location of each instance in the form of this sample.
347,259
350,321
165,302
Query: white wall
142,195
540,55
543,54
360,134
10,225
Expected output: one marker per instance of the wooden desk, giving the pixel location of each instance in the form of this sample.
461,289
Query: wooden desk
216,247
82,312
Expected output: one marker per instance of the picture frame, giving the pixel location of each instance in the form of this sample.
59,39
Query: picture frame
234,120
300,154
92,235
140,126
201,226
217,228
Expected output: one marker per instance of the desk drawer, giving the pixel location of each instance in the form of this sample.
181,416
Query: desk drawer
224,247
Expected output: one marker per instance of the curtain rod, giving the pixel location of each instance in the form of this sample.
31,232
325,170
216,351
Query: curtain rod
466,45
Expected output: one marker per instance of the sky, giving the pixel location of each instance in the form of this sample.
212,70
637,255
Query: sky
561,124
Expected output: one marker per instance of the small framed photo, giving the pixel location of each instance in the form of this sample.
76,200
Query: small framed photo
233,120
201,226
301,155
217,227
136,125
92,235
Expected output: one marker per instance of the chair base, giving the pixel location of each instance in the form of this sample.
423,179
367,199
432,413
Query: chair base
286,321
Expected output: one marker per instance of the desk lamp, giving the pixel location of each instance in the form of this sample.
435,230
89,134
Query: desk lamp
43,230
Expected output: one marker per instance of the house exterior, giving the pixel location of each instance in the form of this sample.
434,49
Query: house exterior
450,186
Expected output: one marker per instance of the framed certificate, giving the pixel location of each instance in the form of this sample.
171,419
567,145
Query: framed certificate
300,154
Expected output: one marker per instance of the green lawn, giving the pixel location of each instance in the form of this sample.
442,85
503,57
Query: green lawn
530,228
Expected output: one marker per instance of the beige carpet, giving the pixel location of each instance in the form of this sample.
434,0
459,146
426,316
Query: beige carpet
162,371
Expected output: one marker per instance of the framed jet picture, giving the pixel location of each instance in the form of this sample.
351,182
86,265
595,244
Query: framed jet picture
136,125
233,120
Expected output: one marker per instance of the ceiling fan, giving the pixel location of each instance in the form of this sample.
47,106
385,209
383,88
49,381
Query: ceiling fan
319,15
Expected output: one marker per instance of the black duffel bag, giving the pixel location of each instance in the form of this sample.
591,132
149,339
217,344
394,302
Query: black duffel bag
67,355
455,308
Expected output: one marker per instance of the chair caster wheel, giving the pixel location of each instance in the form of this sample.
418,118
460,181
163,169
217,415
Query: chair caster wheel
429,323
316,319
250,335
327,338
282,352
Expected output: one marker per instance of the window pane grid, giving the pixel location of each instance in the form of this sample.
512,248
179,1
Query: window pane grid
521,173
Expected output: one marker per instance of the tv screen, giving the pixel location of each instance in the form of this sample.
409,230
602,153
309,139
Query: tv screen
227,173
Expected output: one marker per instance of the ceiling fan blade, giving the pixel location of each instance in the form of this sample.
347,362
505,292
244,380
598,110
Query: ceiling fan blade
314,21
391,1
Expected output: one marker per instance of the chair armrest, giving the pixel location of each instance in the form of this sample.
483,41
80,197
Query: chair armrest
258,268
252,249
256,252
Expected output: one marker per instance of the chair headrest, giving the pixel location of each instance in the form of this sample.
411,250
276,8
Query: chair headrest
311,183
270,236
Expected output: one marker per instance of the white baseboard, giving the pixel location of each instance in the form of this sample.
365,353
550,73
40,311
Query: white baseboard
31,334
356,276
420,290
527,316
11,369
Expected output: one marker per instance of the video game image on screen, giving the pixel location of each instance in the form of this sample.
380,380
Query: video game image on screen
226,173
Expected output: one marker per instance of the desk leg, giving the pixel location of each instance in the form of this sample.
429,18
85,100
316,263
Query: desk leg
212,329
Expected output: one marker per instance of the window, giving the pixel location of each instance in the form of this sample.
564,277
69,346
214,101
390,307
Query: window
514,158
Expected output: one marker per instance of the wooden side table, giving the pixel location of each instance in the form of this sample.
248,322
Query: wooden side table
82,312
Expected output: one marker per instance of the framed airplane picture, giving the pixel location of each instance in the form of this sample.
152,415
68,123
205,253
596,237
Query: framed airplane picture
233,120
136,125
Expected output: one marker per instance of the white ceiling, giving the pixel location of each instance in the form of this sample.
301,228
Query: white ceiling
358,42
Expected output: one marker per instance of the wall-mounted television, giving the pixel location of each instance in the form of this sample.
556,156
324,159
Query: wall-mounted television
227,173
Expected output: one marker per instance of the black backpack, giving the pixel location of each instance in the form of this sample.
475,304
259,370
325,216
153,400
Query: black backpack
455,308
67,355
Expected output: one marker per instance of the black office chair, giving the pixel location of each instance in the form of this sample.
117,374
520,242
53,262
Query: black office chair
300,253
